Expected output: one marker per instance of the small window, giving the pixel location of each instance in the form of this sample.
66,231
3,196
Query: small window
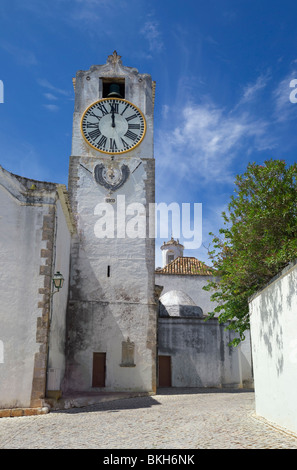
170,258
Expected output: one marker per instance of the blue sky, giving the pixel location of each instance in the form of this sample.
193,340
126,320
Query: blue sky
223,72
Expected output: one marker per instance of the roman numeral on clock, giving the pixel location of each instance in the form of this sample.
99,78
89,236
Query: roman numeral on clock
112,144
126,146
95,134
91,113
131,135
91,125
114,107
102,108
102,141
133,126
131,117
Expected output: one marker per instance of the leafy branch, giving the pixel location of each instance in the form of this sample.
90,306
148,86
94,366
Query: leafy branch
259,239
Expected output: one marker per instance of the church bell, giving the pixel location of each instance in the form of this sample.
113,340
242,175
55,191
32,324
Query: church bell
114,91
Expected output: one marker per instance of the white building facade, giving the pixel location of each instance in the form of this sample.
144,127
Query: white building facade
36,230
193,352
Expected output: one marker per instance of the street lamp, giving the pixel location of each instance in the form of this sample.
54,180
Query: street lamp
58,281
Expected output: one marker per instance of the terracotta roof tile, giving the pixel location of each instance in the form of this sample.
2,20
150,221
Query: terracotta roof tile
186,265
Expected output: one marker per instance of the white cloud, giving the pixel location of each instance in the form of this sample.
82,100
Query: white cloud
206,141
204,145
284,109
43,82
165,110
152,33
22,56
88,15
51,107
252,89
50,96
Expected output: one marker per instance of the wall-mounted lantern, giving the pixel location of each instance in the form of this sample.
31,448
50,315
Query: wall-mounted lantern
58,281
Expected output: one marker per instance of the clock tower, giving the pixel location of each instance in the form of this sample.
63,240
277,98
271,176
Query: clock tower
112,314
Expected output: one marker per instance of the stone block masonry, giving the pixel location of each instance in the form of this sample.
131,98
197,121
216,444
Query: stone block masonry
43,322
18,412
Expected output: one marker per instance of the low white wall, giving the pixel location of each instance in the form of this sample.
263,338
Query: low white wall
200,355
20,246
273,317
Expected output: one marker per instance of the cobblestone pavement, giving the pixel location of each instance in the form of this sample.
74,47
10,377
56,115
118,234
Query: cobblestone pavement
172,419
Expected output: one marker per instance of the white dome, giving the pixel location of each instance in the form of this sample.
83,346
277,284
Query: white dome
177,303
177,297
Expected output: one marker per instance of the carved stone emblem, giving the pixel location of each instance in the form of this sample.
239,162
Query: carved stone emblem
114,59
128,353
111,178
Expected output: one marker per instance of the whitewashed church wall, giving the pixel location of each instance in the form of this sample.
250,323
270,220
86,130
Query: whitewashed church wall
111,287
273,317
104,327
246,367
200,355
20,247
56,360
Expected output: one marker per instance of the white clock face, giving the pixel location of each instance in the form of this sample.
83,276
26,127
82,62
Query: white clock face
113,125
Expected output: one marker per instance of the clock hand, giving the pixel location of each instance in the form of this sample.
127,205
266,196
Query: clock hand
112,117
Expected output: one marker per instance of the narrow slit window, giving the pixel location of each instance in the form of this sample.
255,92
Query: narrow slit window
108,271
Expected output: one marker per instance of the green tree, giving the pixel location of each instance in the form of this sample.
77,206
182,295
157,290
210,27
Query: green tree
258,240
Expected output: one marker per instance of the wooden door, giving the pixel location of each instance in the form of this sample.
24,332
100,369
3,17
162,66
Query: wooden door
99,361
164,371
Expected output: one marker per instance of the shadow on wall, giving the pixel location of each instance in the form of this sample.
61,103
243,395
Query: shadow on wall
99,325
273,301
